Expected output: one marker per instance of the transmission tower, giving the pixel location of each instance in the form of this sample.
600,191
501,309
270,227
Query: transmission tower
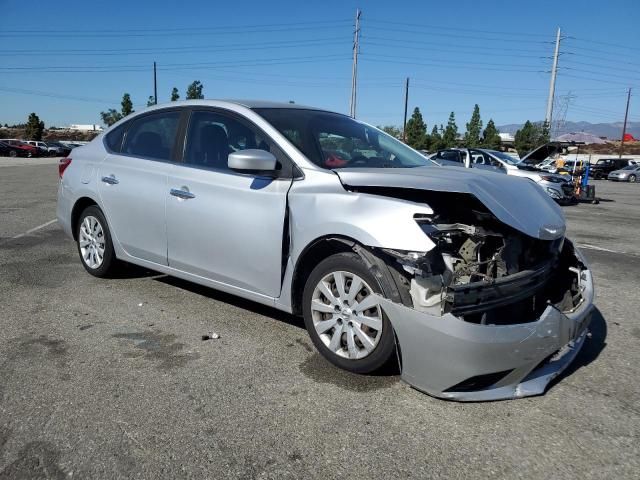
561,108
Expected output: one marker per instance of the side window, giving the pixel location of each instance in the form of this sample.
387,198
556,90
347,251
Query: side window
113,139
212,136
152,136
450,155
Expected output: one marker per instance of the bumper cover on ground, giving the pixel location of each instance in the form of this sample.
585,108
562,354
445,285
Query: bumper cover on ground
440,352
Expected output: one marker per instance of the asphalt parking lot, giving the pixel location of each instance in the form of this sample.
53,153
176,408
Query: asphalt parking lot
111,379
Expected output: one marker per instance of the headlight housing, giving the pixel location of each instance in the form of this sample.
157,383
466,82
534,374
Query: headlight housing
554,193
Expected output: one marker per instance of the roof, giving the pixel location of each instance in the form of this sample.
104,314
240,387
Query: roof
581,137
244,103
270,104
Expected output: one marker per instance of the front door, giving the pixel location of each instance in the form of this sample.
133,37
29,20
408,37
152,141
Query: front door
224,225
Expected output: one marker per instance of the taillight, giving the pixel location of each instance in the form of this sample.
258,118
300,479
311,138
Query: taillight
62,165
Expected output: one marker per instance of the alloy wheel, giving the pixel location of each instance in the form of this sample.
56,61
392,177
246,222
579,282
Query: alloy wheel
346,315
92,242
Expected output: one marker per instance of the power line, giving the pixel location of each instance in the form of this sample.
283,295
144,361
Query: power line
56,95
412,42
189,31
178,50
455,35
170,66
440,27
376,59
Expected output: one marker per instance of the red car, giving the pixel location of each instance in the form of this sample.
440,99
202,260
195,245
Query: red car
29,150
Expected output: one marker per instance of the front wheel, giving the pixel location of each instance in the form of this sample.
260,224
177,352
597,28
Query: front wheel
94,243
343,316
632,178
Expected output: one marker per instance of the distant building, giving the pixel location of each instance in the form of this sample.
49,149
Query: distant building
506,138
86,128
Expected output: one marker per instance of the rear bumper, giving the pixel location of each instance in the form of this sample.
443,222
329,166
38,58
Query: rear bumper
449,358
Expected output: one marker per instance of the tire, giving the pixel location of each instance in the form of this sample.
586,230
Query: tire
94,243
361,347
12,153
632,178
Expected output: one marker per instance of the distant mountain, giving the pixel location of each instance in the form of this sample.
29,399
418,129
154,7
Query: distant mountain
612,131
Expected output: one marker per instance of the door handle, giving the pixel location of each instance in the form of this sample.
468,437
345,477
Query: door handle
183,194
111,180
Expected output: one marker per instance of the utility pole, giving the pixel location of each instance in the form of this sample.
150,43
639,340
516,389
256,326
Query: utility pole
155,84
552,85
624,125
406,101
354,70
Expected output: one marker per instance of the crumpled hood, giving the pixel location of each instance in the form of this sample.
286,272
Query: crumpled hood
518,202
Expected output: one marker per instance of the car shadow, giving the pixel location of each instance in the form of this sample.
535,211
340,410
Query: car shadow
390,369
129,270
233,300
592,348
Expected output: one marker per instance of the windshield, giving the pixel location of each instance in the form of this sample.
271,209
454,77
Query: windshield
631,167
331,140
504,157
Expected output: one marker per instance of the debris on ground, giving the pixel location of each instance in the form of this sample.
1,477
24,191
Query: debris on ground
211,336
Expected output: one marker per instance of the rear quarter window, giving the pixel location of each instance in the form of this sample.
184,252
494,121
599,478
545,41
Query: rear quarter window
113,139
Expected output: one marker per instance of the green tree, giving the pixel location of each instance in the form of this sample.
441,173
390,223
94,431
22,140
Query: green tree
194,91
34,128
450,136
151,102
416,132
490,137
435,139
474,129
110,117
530,136
127,105
391,130
174,94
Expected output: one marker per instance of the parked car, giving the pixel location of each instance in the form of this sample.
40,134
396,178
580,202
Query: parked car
7,150
467,157
43,149
630,173
466,275
58,149
30,150
555,186
604,166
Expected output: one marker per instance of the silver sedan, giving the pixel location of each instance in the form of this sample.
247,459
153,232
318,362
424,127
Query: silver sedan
464,278
626,174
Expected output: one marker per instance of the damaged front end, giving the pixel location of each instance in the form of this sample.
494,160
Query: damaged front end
494,313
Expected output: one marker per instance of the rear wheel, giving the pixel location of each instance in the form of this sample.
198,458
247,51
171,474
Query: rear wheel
12,153
94,243
632,178
343,316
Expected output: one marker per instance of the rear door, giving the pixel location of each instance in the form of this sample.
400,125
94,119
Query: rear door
225,225
132,182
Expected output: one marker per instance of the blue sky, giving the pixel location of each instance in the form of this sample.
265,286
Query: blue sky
68,60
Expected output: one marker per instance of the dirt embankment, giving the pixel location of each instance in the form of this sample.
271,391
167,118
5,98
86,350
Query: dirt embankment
51,135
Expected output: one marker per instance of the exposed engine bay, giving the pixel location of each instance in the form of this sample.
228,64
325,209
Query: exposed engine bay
485,271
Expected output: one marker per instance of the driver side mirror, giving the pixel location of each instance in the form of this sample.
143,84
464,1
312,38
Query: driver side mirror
252,159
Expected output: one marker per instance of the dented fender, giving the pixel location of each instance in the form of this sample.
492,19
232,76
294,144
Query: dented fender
368,219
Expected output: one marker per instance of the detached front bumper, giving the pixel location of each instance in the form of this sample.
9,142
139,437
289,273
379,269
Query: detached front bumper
447,357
